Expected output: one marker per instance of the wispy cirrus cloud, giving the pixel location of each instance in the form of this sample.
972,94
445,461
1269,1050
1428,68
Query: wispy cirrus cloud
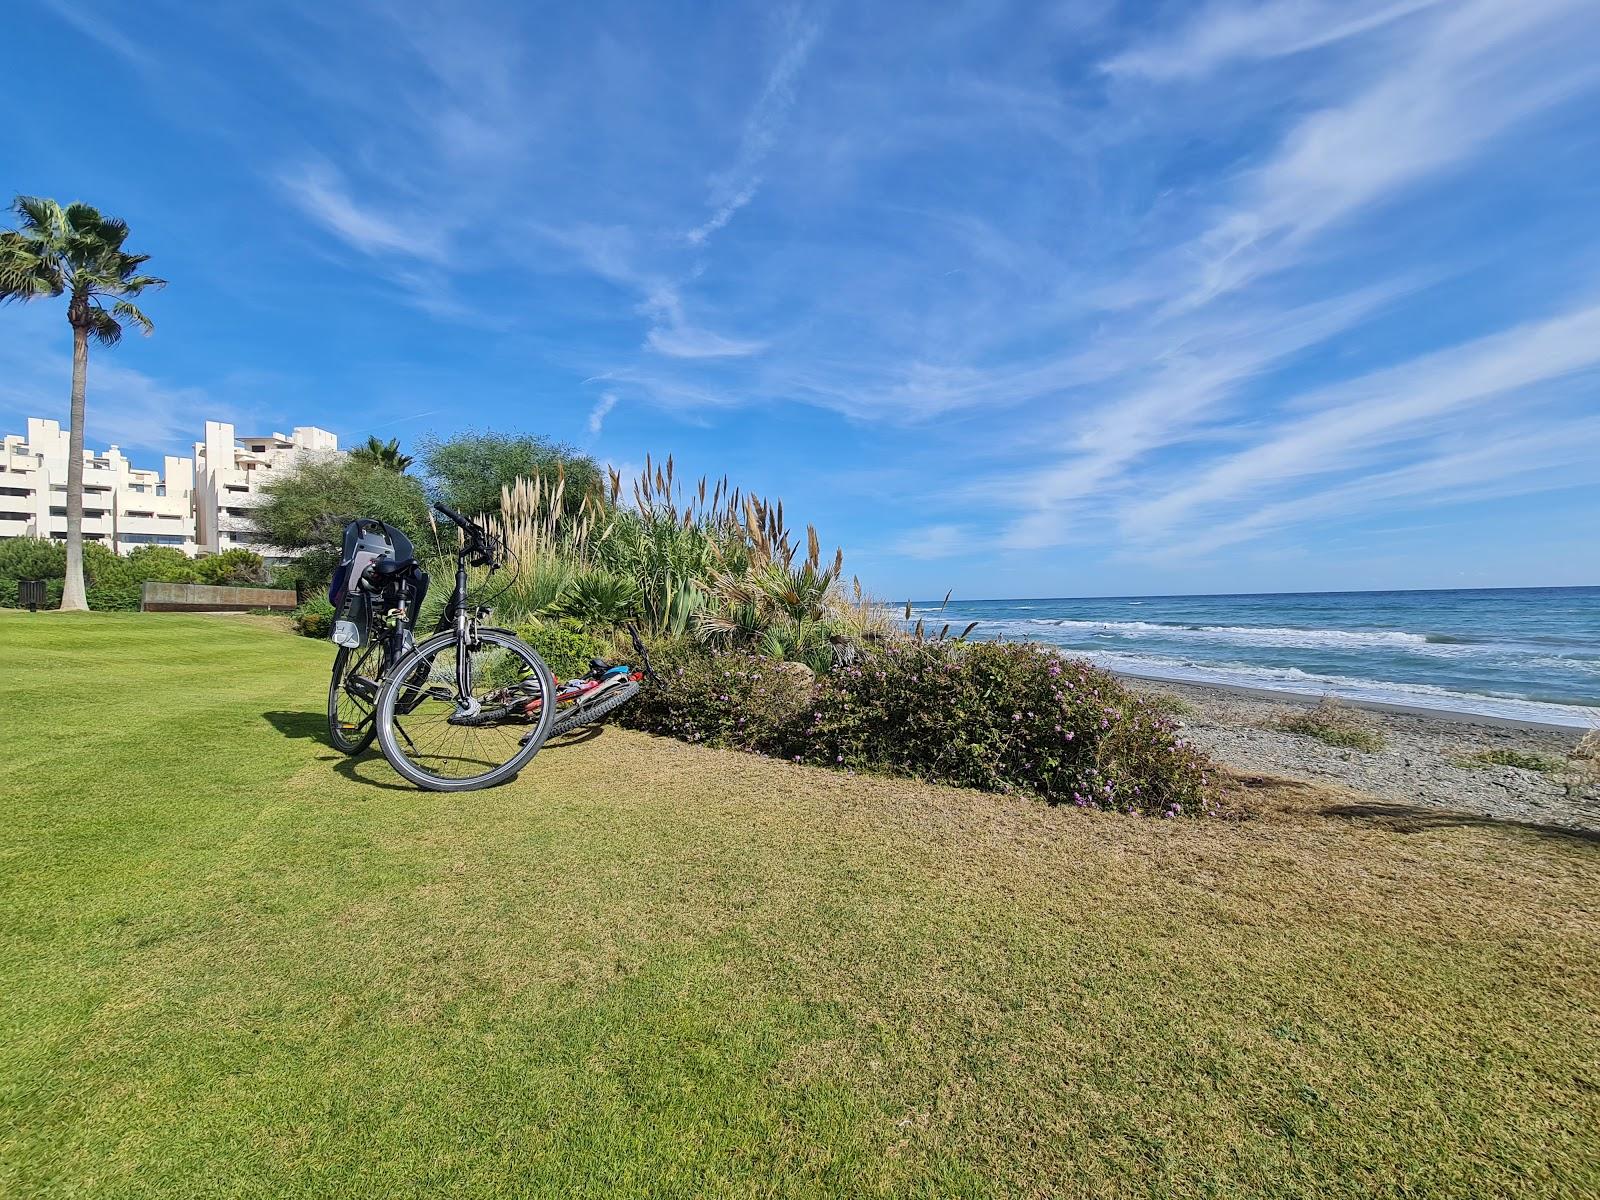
1222,34
736,186
318,190
601,410
1473,72
1357,421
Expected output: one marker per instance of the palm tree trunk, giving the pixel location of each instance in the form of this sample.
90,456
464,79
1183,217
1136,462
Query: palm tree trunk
73,598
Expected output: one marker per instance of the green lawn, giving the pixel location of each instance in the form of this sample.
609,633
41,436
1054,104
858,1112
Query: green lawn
235,964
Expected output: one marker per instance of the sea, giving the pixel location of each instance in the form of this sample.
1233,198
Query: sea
1530,654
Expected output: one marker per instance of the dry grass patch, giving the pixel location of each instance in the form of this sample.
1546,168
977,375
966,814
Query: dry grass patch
1334,724
1523,760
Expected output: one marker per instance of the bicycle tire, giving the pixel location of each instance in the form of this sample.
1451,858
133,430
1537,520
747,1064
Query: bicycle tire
585,714
345,737
390,734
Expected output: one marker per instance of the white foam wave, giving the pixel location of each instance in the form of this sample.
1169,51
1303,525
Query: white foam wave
1252,635
1292,679
1279,636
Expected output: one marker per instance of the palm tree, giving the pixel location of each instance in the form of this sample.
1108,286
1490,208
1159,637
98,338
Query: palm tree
76,252
383,454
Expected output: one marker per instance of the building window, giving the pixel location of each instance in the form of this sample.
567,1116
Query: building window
11,516
153,539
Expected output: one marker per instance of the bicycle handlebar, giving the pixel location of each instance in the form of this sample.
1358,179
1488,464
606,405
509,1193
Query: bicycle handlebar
480,545
466,525
644,655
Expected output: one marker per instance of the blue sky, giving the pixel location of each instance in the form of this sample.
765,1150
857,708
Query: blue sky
1015,299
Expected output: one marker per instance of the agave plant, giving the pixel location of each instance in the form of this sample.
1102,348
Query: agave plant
599,597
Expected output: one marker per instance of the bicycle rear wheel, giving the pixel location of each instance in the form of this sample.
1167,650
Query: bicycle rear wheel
580,713
353,697
445,746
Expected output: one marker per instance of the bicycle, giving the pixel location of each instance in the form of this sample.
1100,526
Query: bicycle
469,707
605,689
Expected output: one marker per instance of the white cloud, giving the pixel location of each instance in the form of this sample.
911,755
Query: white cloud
936,541
1224,34
602,409
737,186
683,341
321,193
1495,461
1353,423
1473,74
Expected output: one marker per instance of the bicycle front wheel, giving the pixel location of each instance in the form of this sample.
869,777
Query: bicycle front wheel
447,742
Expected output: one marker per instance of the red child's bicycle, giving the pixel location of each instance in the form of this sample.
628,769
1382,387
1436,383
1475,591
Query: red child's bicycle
606,688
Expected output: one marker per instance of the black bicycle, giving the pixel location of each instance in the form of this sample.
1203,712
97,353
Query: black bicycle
466,709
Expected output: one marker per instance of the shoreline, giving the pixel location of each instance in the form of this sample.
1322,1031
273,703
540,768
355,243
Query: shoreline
1426,758
1311,699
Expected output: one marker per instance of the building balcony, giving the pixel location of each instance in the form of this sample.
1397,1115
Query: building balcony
228,523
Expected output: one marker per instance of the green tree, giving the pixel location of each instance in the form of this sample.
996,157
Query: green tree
467,471
307,510
76,252
383,454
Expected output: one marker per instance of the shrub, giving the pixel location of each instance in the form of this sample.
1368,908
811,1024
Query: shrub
111,584
166,563
32,558
314,618
1334,724
734,700
232,568
596,596
1006,718
564,645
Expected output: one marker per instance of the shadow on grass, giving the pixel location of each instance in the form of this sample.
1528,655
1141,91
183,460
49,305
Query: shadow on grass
360,768
299,724
1410,818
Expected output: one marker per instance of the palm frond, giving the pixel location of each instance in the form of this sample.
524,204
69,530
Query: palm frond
103,327
129,313
41,217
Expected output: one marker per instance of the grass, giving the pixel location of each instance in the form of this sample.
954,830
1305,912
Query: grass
1334,724
238,965
1166,702
1526,760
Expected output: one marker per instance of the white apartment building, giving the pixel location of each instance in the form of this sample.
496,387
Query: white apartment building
229,473
123,506
204,511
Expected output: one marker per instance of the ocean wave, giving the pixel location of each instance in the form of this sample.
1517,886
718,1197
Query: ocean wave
1295,680
1269,635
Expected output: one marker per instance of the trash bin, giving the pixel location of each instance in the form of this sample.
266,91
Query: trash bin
30,594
